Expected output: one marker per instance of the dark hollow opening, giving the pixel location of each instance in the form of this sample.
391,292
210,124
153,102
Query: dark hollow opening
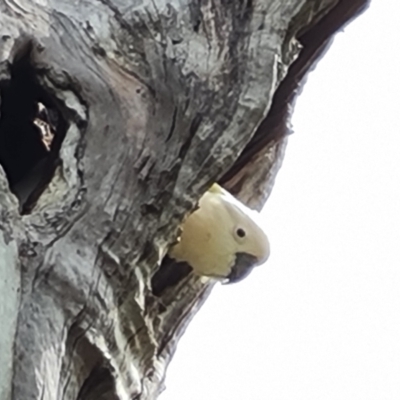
99,385
31,132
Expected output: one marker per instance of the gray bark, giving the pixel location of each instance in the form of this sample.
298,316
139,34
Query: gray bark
155,100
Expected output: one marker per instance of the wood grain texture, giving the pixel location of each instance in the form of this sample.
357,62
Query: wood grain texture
158,99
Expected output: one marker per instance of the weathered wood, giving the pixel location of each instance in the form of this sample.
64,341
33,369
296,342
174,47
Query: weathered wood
251,177
154,102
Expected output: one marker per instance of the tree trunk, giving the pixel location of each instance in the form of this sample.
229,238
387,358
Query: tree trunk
146,104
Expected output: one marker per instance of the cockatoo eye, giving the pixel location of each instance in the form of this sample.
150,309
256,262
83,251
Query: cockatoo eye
240,232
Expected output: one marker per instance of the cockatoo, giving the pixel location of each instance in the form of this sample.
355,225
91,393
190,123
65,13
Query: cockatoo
221,239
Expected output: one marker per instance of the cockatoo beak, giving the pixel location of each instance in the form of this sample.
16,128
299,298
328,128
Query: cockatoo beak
244,264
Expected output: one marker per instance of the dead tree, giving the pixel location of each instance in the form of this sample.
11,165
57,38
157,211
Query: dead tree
115,117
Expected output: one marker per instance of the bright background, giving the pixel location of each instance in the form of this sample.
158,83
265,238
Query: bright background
321,320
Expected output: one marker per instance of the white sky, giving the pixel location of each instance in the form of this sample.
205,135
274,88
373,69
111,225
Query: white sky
321,320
